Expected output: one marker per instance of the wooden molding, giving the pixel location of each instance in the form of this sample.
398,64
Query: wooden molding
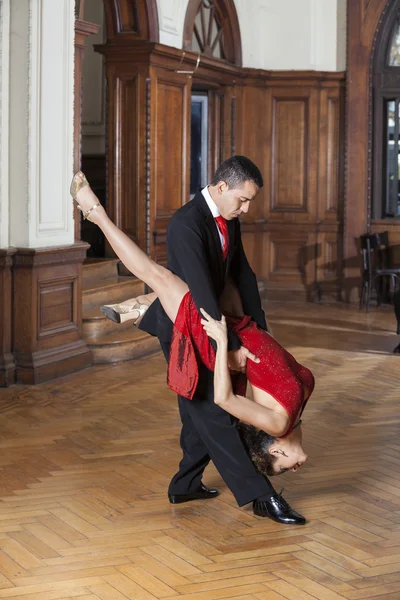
132,19
47,306
7,364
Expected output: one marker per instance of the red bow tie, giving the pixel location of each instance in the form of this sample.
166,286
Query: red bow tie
223,227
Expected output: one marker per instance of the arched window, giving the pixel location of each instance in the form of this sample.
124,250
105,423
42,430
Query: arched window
386,118
212,28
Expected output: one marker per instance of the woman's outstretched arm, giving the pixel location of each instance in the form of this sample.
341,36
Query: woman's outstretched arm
242,408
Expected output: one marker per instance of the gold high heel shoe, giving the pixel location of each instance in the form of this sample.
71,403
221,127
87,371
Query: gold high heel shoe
78,182
121,314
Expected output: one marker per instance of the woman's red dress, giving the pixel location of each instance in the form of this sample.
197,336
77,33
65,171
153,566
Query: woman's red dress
277,373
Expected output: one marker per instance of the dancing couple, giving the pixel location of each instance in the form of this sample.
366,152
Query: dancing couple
206,311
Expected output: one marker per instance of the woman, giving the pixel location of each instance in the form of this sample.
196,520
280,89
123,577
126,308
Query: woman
280,386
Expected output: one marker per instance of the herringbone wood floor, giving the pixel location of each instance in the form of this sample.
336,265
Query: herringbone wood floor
85,463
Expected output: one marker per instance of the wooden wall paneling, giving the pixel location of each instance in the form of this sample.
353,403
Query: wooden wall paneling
292,179
274,118
292,257
126,147
47,313
362,22
170,143
7,364
222,125
294,153
328,262
216,129
253,139
330,188
291,125
329,153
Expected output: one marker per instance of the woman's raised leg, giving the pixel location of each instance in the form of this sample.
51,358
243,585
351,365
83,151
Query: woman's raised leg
169,288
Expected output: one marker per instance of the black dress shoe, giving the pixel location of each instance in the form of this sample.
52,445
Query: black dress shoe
277,509
202,493
397,349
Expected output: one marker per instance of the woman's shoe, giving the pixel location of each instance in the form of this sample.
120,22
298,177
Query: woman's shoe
78,182
121,314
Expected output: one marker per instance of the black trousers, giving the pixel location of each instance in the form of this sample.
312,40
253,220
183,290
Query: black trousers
210,433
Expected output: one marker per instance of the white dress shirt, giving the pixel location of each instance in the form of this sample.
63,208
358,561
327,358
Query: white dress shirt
214,210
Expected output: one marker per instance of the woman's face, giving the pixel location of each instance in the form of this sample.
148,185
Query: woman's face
289,452
288,459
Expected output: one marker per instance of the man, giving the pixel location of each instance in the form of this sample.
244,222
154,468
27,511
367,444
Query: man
204,248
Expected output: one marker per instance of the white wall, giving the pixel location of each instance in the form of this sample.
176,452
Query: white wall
276,34
40,124
4,118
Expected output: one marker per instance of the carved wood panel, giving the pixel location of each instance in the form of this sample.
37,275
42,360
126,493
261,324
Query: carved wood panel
293,168
295,136
126,125
171,131
56,306
287,257
330,153
127,135
47,313
254,141
289,146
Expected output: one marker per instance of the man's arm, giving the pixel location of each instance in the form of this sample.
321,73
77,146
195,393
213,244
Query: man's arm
187,247
246,282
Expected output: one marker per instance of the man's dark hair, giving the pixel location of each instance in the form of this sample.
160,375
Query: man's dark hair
257,444
236,170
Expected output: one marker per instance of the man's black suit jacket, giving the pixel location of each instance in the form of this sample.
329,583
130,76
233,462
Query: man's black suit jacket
194,253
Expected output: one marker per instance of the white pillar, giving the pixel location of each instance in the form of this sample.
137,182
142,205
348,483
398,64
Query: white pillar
41,122
4,116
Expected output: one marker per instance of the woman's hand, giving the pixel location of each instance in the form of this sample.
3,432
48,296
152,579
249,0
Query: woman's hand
216,330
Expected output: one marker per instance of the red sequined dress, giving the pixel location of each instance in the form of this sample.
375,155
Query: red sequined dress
277,373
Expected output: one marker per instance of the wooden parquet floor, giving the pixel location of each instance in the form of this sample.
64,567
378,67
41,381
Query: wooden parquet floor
85,463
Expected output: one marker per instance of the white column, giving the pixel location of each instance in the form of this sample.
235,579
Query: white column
4,116
41,123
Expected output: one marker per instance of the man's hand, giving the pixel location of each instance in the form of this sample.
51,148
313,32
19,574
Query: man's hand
237,359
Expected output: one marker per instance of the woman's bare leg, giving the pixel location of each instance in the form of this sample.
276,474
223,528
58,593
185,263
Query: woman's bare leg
169,288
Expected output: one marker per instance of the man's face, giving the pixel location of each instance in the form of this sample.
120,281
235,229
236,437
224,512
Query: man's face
234,202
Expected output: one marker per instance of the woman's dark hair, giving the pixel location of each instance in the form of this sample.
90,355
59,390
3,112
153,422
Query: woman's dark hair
257,443
236,170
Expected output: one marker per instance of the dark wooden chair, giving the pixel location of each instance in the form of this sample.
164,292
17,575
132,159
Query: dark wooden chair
376,268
